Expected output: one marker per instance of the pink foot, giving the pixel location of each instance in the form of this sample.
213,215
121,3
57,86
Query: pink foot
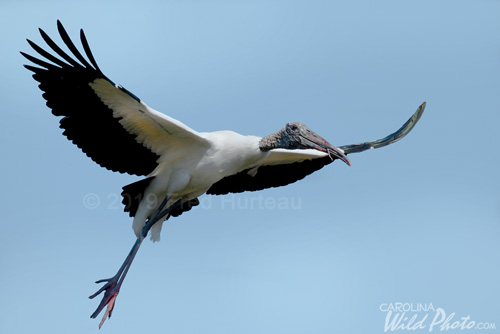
109,309
111,288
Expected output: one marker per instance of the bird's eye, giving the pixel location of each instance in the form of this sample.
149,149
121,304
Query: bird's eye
293,127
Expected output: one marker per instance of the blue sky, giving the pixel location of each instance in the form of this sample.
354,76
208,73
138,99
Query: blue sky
416,222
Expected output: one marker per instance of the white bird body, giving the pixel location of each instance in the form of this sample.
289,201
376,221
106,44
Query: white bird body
190,172
121,133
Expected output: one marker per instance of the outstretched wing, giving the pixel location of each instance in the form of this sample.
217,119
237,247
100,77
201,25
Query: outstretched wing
283,167
275,171
392,138
107,122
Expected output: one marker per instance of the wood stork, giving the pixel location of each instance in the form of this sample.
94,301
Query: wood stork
121,133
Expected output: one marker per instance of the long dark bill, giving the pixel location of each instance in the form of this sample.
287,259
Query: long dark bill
318,143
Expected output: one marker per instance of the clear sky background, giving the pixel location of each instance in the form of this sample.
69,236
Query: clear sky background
415,222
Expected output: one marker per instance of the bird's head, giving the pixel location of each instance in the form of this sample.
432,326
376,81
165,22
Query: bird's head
296,135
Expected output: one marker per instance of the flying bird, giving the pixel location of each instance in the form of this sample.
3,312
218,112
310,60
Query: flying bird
120,132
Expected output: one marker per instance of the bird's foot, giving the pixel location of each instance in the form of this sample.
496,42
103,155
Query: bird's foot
111,288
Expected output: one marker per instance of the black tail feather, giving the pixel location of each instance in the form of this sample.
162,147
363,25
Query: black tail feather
184,207
133,194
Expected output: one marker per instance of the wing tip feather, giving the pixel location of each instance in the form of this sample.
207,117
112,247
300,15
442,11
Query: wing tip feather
58,74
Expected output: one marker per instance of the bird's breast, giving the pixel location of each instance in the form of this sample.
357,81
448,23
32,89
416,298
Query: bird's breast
228,154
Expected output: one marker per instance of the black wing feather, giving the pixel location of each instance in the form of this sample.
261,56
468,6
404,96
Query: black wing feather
57,49
47,55
87,122
268,177
70,45
86,47
38,62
